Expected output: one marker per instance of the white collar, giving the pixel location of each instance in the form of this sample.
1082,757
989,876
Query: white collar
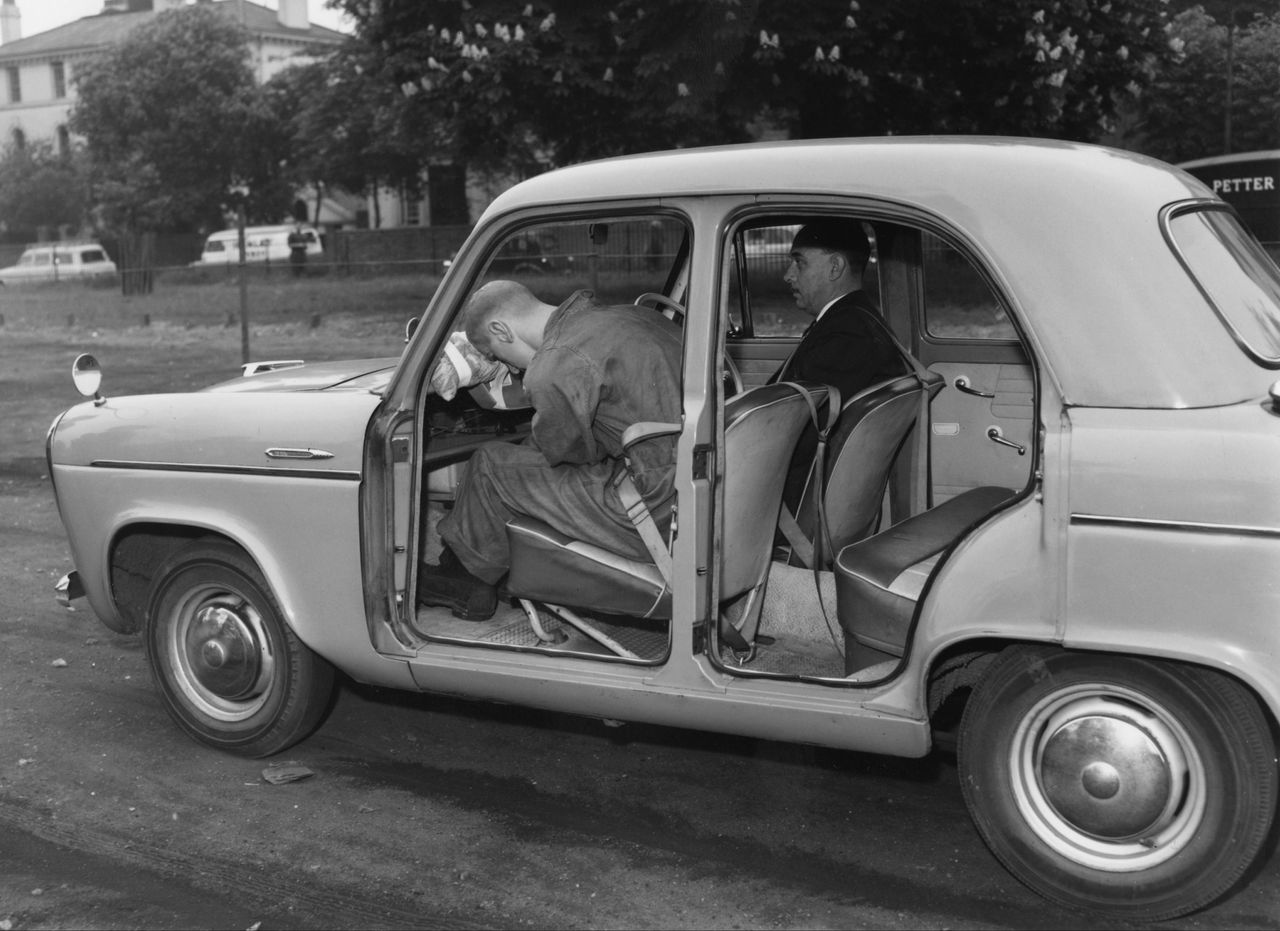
827,306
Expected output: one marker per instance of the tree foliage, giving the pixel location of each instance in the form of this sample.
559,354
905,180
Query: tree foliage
40,188
341,125
170,116
1184,114
514,85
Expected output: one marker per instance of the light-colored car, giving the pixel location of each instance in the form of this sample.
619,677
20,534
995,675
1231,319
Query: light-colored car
267,244
61,261
1055,541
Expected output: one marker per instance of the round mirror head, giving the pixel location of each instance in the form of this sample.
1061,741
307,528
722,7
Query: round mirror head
87,375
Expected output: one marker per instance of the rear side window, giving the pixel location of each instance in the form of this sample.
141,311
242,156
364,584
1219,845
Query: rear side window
1237,276
958,302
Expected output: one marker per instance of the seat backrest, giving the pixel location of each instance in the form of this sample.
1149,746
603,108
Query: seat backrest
761,429
872,427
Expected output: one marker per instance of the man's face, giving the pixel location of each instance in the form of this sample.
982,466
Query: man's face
516,355
809,276
505,345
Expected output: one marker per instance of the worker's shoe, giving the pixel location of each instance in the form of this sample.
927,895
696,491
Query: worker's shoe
450,585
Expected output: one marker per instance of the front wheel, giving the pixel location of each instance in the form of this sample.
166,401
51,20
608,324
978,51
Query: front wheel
1131,787
231,672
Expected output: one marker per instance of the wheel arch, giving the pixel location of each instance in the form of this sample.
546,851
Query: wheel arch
137,552
956,669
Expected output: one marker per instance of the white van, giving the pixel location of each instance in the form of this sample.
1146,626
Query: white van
60,261
261,244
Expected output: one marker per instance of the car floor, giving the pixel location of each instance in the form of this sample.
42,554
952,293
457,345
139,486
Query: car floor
795,641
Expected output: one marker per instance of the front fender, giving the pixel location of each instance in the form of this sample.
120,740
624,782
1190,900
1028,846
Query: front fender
198,463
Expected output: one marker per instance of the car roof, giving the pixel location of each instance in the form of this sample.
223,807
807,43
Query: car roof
63,246
909,168
1070,232
259,230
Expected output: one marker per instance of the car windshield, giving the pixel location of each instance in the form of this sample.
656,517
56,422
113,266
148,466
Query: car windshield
1240,280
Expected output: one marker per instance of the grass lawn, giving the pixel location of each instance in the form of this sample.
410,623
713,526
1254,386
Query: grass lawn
180,337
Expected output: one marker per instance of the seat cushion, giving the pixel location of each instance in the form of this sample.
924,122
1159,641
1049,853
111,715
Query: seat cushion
548,566
880,579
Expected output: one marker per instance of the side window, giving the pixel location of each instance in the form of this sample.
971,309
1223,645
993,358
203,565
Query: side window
760,300
619,259
958,302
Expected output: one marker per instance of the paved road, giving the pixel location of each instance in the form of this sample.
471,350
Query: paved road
427,812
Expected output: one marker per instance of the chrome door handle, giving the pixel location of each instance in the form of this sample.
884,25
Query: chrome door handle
996,435
962,382
278,452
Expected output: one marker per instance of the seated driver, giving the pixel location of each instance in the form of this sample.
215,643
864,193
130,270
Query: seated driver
590,371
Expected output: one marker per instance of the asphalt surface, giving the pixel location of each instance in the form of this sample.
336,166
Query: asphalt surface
427,812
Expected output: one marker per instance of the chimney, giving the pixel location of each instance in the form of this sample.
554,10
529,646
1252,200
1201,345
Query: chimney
10,22
293,14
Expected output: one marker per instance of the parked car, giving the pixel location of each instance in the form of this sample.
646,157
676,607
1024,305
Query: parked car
1053,542
60,261
261,244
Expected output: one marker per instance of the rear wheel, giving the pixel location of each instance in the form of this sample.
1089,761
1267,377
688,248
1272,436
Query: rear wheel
231,672
1125,786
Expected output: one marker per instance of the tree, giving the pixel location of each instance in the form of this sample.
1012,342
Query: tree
169,115
518,86
342,126
39,188
1184,115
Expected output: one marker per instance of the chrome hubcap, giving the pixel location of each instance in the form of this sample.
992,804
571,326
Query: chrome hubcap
1107,778
221,654
1105,774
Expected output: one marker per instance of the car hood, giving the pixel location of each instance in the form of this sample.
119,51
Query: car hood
348,375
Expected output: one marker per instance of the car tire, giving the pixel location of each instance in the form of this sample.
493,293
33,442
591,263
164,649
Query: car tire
230,671
1131,787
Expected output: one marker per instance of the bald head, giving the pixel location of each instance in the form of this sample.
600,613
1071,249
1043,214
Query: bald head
504,320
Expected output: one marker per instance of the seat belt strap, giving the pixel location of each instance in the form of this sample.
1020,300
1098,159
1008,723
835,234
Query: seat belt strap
642,520
801,547
809,551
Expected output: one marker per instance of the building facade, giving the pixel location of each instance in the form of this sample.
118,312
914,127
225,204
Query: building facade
37,94
37,90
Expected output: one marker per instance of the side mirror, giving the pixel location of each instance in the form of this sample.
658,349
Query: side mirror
86,374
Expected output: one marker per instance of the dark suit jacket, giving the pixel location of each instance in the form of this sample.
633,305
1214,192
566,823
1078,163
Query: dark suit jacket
848,348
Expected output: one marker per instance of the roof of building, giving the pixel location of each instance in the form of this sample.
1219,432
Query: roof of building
101,29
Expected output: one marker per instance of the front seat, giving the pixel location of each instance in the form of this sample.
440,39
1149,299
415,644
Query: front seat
761,429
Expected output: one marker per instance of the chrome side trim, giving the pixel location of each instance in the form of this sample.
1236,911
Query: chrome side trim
333,474
1175,525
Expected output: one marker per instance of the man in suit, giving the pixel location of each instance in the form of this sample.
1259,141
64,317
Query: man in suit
846,345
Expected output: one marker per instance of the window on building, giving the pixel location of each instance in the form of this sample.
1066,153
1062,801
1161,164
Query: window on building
15,85
59,80
412,211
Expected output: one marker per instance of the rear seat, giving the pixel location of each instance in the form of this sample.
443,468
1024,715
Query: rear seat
880,579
